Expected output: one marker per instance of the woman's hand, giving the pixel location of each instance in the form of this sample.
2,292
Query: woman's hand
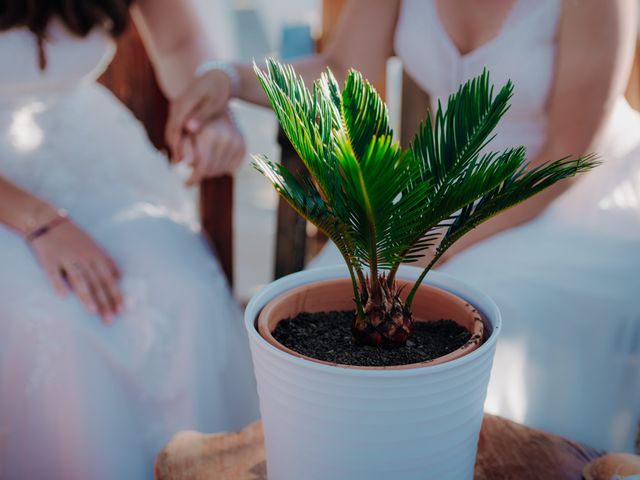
73,261
216,149
203,100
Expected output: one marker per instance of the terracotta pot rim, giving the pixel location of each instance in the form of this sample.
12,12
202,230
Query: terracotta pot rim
476,340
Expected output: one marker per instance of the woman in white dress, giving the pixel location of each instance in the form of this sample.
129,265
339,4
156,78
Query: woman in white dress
117,327
564,266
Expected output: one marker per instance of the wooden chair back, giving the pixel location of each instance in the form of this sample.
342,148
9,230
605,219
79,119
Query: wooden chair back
131,78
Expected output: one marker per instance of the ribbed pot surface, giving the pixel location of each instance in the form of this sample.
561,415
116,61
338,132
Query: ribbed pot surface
324,422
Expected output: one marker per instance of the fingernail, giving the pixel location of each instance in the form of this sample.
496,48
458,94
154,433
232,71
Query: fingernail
192,125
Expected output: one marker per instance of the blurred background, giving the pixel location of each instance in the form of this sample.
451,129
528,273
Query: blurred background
247,29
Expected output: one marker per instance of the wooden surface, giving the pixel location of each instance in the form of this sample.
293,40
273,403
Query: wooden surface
633,86
414,111
291,228
506,450
131,78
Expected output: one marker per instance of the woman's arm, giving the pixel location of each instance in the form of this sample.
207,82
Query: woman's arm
69,257
596,41
175,40
177,44
363,39
21,211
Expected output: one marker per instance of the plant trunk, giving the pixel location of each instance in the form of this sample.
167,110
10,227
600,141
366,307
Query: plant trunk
386,322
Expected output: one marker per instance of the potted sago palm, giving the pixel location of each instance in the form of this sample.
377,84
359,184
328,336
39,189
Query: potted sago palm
368,370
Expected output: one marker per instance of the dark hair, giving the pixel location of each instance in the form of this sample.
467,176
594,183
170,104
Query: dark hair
80,16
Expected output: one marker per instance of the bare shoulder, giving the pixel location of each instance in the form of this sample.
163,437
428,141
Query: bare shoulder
596,32
595,17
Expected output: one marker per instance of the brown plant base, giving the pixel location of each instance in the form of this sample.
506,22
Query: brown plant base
327,336
386,323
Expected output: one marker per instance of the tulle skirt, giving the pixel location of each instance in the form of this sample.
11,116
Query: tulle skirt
79,399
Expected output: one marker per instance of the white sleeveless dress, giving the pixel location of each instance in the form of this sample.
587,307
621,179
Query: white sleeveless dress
80,400
567,283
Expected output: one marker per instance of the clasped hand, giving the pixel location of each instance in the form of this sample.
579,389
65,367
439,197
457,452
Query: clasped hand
200,131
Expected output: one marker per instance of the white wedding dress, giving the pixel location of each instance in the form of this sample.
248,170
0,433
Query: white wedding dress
568,283
80,400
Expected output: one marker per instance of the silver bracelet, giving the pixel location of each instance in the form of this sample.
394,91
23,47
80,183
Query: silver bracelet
227,68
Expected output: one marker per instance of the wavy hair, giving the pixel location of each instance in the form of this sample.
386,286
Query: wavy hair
80,16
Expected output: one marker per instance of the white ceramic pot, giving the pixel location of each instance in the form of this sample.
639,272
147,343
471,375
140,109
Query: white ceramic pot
323,422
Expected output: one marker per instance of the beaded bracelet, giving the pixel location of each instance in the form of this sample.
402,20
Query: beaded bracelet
43,229
227,68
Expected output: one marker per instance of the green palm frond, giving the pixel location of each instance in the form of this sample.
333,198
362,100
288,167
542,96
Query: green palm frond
364,113
449,150
382,205
443,203
518,187
371,184
461,131
306,119
305,199
513,190
330,91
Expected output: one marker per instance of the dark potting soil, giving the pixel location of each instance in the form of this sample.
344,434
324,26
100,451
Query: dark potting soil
327,336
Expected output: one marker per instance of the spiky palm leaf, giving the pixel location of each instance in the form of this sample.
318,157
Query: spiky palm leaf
513,190
364,113
449,148
382,205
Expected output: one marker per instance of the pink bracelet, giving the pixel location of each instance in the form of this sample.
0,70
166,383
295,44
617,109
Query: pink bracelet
47,227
